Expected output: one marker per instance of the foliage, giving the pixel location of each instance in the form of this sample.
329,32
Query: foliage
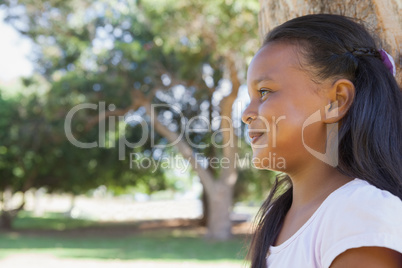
24,141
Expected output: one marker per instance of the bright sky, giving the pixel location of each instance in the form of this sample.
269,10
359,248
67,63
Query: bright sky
14,50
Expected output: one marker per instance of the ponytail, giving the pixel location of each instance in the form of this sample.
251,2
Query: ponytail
271,216
371,132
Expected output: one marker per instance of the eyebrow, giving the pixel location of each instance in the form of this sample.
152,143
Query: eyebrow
263,78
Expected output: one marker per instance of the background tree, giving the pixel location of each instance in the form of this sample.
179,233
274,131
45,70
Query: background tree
189,55
25,140
381,16
34,153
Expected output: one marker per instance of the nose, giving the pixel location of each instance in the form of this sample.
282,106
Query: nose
248,115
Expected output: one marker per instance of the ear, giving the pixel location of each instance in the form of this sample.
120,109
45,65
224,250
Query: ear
340,96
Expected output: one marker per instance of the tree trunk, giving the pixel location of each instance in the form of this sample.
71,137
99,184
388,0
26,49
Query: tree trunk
8,214
6,220
219,190
39,208
383,16
220,200
205,208
72,205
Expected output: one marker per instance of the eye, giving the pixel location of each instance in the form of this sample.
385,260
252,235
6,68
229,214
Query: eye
264,92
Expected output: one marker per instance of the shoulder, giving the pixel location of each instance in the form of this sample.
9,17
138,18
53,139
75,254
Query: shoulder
359,215
365,202
360,199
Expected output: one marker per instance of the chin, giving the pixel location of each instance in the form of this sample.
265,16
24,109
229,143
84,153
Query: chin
269,161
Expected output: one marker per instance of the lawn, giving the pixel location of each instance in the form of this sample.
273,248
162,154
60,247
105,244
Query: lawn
71,238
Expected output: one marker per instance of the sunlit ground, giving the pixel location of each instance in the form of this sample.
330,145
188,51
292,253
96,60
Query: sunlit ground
54,240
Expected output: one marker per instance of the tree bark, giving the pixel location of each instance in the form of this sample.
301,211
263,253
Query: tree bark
6,220
220,201
381,16
205,208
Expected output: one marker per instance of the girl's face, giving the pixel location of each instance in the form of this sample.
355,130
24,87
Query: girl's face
282,97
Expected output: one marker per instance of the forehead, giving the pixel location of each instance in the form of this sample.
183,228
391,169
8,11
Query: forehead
273,60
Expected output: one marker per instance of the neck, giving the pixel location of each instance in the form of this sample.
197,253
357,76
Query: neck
312,185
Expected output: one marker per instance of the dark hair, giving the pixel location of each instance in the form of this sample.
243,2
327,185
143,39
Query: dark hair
334,46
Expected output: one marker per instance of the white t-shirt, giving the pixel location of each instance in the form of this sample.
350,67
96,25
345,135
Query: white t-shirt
355,215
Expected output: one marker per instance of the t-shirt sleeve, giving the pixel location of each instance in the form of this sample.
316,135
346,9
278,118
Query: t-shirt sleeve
363,217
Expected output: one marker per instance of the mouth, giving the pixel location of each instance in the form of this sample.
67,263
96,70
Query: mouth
254,136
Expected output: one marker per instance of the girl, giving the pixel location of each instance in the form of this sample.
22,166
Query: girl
324,99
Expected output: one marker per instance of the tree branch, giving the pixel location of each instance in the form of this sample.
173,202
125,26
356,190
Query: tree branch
96,119
185,150
229,139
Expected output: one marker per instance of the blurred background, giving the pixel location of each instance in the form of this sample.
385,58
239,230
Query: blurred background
91,172
121,141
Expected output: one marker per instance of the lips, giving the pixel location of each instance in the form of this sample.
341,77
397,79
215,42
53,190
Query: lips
254,136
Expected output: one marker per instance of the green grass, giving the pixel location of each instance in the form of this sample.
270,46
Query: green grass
134,247
160,245
49,221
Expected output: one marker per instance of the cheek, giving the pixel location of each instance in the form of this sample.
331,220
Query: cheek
284,140
284,123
